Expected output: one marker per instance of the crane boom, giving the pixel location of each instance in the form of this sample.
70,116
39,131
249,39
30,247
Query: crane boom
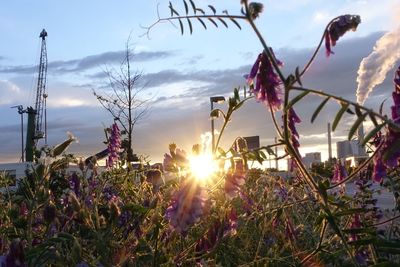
41,88
35,115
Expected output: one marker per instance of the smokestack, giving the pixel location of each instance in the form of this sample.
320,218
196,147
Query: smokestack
360,137
329,142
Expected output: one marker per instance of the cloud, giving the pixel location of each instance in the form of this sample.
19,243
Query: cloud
9,92
87,63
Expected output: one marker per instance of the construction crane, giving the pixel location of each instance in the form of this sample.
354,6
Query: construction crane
35,129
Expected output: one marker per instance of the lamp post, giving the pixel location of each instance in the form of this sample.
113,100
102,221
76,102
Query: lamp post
214,99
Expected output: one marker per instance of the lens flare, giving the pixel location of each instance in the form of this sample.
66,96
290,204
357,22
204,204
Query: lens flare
203,166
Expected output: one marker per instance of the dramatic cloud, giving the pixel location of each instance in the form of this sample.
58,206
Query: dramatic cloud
86,63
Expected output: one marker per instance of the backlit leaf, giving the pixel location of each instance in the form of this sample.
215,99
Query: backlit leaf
296,99
319,108
373,133
223,22
356,125
339,115
213,9
236,23
181,26
213,22
186,7
202,23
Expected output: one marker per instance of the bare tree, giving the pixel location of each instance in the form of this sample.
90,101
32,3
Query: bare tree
123,98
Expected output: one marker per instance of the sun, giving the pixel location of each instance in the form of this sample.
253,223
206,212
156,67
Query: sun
203,166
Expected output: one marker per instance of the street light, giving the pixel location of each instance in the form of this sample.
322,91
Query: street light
219,100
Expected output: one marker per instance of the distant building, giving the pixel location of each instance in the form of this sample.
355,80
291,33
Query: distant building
351,148
311,158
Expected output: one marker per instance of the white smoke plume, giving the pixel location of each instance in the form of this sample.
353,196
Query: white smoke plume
373,68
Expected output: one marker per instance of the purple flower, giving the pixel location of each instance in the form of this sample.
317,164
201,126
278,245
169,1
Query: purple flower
388,157
379,170
337,28
114,145
75,183
234,180
355,224
218,230
266,88
186,207
16,255
339,172
292,120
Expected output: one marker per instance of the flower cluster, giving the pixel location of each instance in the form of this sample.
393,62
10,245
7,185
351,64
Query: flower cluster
114,145
187,206
337,28
235,179
339,174
176,160
388,156
267,83
219,230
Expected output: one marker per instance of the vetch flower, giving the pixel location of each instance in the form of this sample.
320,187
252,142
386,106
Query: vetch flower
339,174
266,88
187,206
292,120
114,145
234,180
337,28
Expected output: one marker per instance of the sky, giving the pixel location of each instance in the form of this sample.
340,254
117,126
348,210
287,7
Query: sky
180,73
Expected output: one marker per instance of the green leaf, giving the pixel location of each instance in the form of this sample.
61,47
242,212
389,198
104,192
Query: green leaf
193,6
201,11
213,22
372,133
236,94
270,151
223,22
319,108
356,125
349,212
173,11
373,119
386,264
358,111
213,9
214,114
186,7
190,26
181,25
350,111
298,78
61,147
202,23
296,99
236,23
381,106
339,115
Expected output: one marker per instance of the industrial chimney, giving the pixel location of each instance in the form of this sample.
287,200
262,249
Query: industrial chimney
329,142
360,137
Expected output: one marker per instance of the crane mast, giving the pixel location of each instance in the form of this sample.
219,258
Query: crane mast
35,129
